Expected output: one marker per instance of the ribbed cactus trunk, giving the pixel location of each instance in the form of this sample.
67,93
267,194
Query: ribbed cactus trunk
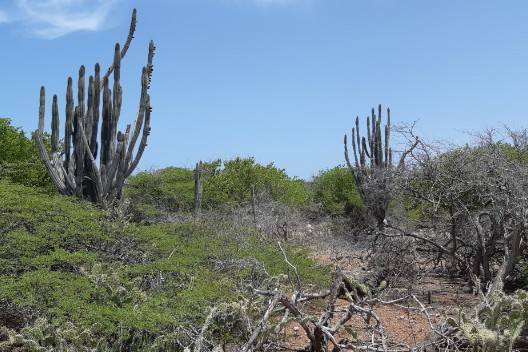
74,169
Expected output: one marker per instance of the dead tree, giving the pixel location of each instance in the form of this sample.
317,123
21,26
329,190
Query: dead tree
73,168
373,169
322,331
473,202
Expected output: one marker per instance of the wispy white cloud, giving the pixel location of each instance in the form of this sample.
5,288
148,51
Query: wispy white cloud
265,3
51,19
275,2
4,17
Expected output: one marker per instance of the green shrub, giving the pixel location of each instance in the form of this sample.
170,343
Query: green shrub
231,183
73,275
19,158
336,191
154,193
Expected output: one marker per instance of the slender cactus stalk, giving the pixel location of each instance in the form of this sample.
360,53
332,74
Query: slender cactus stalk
198,190
74,169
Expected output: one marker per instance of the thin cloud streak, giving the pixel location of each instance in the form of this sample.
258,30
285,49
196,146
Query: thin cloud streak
4,18
266,3
275,2
50,19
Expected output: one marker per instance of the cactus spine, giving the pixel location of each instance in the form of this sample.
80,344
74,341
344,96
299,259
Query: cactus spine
74,169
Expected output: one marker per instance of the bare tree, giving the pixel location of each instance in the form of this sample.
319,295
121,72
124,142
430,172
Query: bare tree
474,203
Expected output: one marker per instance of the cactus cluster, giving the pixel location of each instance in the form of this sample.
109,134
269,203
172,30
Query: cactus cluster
373,159
379,155
73,165
373,149
373,170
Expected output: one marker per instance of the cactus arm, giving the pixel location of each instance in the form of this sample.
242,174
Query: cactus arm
113,168
113,115
42,108
61,187
77,152
145,85
95,104
80,93
143,143
372,142
347,159
68,124
121,170
54,125
78,145
387,140
356,160
42,149
369,136
96,177
380,140
105,126
89,112
125,47
138,123
387,137
118,93
379,148
364,152
357,138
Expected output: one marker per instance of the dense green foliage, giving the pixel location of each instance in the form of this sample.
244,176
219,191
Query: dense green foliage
152,193
19,158
227,183
231,183
73,275
336,191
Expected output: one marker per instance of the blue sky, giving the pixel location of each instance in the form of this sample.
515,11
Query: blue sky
280,80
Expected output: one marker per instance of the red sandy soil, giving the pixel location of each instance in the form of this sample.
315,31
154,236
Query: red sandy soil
409,327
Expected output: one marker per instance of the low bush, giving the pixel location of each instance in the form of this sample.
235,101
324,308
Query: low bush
158,195
336,191
74,275
19,158
155,195
232,181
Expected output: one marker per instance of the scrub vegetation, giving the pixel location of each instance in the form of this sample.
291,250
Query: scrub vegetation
238,256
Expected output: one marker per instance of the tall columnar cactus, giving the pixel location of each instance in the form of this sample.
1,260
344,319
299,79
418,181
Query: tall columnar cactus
373,170
73,166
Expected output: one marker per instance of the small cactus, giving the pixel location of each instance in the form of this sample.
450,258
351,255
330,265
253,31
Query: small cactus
74,169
